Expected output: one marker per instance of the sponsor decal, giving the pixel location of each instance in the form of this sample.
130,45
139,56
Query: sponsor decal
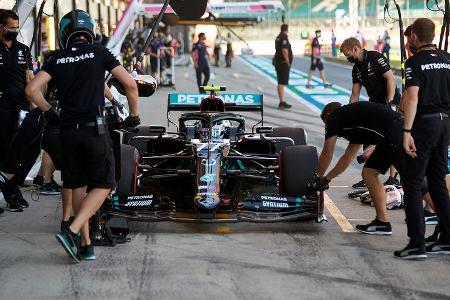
141,200
196,99
273,198
275,204
73,59
435,66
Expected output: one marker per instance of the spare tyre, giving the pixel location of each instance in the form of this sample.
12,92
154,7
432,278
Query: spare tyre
297,166
126,184
298,135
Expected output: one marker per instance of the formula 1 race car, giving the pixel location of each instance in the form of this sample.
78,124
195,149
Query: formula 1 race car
211,170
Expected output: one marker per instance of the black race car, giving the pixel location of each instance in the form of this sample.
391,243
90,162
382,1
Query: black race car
211,170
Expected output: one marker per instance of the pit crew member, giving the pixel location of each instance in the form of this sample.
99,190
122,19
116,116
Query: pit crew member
15,72
282,61
371,70
86,145
426,106
363,123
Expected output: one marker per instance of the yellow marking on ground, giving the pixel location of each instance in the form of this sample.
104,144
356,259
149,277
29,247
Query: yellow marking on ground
338,215
223,229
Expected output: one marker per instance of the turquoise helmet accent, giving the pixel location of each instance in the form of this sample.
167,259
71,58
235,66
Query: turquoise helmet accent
74,24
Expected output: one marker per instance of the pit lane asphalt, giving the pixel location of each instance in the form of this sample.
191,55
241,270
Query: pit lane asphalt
223,261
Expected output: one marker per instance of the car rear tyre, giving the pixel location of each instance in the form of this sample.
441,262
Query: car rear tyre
298,135
129,157
298,164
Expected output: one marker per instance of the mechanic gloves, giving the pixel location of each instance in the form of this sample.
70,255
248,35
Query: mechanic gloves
319,184
52,117
132,121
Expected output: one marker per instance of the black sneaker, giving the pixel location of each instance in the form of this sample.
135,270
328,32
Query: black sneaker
38,180
439,247
49,189
375,227
70,242
87,252
308,86
21,200
65,226
430,218
359,185
56,185
13,202
412,251
434,237
283,105
327,85
392,181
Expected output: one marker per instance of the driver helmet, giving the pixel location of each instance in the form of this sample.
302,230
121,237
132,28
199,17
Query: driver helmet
73,25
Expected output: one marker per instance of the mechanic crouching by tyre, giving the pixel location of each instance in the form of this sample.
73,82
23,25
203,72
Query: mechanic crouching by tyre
78,70
363,123
15,72
426,104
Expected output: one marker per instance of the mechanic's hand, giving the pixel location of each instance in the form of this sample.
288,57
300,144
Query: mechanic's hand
318,184
52,117
132,121
408,144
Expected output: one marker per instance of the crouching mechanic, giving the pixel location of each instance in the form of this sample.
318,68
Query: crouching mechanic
363,123
78,70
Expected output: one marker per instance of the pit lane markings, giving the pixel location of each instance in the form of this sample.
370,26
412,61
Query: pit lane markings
337,215
315,98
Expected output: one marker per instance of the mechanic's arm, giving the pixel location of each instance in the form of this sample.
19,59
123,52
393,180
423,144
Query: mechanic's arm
356,92
130,86
343,163
390,80
326,155
410,108
285,53
34,90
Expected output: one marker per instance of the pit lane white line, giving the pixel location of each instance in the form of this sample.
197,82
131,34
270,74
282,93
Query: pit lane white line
337,215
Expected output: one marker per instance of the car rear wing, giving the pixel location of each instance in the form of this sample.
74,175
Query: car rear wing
233,102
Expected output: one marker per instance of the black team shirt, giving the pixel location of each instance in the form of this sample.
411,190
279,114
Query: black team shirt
78,73
282,42
361,122
14,63
430,71
369,74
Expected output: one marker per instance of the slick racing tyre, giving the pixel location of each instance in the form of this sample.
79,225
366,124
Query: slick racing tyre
298,135
297,167
129,157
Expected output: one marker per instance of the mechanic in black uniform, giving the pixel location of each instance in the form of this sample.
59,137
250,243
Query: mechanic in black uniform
15,71
282,61
425,140
372,71
316,61
78,71
363,123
